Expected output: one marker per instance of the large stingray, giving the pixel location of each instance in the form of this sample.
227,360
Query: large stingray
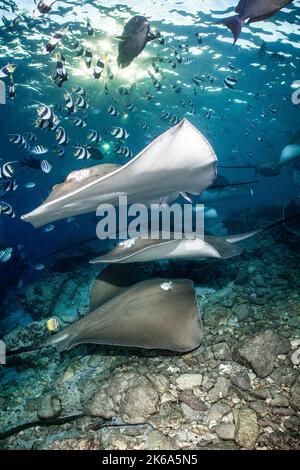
190,247
179,161
150,314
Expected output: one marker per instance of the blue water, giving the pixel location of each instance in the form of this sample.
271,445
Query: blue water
241,127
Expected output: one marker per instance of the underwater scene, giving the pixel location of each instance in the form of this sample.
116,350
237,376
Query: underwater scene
150,223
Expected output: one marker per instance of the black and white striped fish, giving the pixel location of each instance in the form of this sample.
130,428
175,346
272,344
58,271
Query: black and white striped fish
79,90
88,57
6,209
12,88
99,67
61,74
7,70
81,103
130,107
197,80
78,122
7,170
124,151
124,90
55,40
16,139
5,255
46,167
109,72
59,150
90,29
38,150
230,82
61,136
155,81
69,103
78,48
30,137
8,185
45,113
113,111
119,133
144,125
94,137
81,153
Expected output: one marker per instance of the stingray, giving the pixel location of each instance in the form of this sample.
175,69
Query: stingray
150,314
290,212
190,247
180,161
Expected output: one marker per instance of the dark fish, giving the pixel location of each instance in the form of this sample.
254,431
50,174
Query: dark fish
12,88
88,57
253,11
6,209
99,67
133,40
90,29
44,6
78,48
61,74
55,40
230,82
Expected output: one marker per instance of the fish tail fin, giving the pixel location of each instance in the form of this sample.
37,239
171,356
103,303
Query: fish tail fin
235,24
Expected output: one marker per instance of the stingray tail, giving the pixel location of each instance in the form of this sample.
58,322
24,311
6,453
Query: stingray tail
15,352
60,341
235,24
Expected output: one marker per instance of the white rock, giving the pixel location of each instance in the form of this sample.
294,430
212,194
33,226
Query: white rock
188,381
295,357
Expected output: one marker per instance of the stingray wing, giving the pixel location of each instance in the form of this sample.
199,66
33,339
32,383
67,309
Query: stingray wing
180,160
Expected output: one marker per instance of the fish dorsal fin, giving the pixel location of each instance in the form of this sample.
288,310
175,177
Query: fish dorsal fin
76,179
114,279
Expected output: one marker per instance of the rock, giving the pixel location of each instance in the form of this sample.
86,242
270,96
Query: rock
189,381
222,351
259,407
169,416
21,337
217,411
226,431
247,429
49,406
129,395
158,441
260,351
191,415
220,390
284,376
84,443
259,281
241,380
188,397
295,357
242,312
295,395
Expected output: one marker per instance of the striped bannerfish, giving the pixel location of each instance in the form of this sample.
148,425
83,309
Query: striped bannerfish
230,82
39,150
88,57
6,209
78,48
119,133
30,137
8,186
81,103
125,152
99,67
61,136
46,167
54,40
7,170
59,150
5,255
69,103
79,90
78,122
113,111
90,29
7,70
82,153
94,137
